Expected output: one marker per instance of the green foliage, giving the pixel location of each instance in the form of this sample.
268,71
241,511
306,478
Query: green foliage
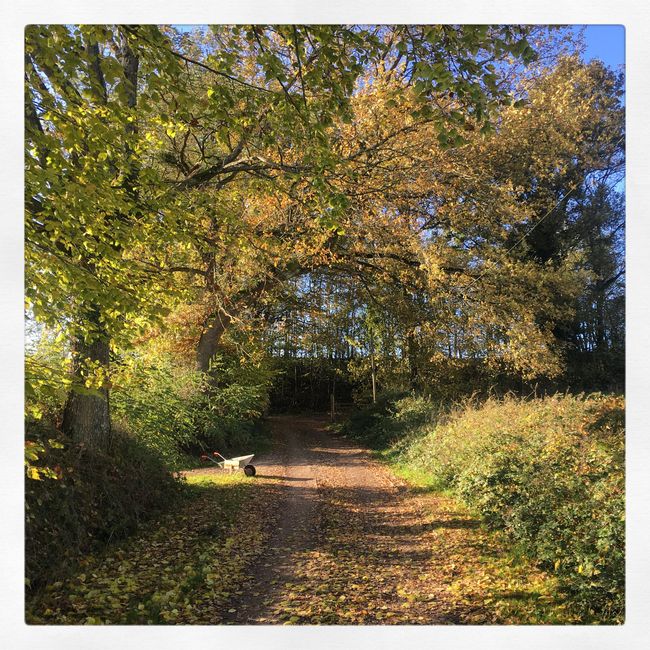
47,379
375,423
159,403
548,472
236,402
78,499
174,410
88,210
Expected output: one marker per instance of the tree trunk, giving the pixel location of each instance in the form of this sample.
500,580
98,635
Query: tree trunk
601,342
412,353
213,328
373,375
86,417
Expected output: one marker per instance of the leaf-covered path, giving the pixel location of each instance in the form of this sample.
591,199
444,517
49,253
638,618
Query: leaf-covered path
353,544
324,534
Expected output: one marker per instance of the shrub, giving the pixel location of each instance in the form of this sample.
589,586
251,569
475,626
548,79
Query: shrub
79,499
375,423
549,472
239,397
158,403
173,409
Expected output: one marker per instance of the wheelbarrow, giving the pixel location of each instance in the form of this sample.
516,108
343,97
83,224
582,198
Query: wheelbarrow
232,464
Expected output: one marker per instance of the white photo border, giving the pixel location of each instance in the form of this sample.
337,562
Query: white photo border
629,13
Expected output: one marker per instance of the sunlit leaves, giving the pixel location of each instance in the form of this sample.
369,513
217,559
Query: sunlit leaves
285,85
84,215
35,456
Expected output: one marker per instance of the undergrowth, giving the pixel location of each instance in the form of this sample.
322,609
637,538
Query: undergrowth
165,415
78,500
181,568
547,473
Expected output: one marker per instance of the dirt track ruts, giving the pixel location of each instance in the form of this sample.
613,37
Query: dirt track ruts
350,543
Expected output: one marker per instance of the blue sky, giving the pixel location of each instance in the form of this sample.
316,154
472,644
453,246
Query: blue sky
605,42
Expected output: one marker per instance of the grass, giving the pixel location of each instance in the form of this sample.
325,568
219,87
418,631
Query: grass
418,479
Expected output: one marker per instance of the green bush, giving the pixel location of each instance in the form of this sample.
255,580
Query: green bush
375,423
175,410
159,404
80,499
549,472
232,409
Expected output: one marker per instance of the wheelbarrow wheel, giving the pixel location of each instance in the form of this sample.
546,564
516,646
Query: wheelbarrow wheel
249,470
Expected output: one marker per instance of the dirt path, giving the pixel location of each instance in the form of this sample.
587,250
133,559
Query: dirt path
350,543
323,535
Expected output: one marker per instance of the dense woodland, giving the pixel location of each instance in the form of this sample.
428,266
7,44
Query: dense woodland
241,220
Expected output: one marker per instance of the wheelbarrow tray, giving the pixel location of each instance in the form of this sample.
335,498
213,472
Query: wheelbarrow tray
237,462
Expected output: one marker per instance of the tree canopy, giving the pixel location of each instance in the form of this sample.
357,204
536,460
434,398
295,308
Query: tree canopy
451,184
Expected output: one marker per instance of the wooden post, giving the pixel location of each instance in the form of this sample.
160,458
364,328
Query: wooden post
332,412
